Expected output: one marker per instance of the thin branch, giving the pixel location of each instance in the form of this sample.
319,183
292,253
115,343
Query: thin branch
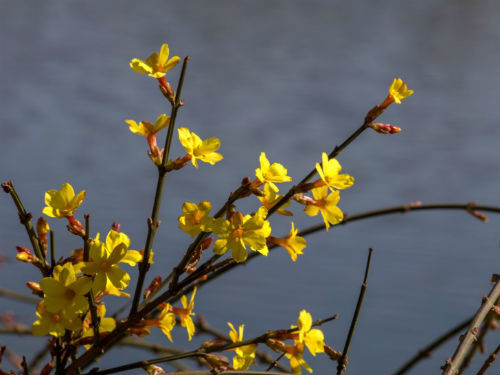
21,297
52,251
153,222
491,358
342,363
451,367
276,362
201,352
90,295
427,350
25,218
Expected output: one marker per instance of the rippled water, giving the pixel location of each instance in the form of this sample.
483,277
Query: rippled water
292,78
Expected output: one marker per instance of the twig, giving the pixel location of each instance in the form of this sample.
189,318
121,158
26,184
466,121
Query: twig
403,209
201,352
343,359
25,218
479,342
90,295
452,366
52,251
276,362
21,297
426,351
491,358
153,222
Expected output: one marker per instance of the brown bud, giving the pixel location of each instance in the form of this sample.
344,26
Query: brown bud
384,128
334,355
46,369
276,345
155,284
35,288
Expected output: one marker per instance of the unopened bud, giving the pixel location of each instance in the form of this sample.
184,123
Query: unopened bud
154,370
115,226
42,228
384,128
24,254
155,284
35,288
276,345
217,362
494,325
496,309
334,355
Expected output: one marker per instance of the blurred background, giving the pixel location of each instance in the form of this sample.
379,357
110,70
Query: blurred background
291,78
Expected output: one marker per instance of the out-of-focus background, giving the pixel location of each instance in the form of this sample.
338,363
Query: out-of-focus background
293,79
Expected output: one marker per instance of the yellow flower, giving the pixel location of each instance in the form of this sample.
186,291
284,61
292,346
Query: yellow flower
54,324
329,173
292,243
271,173
156,65
294,354
399,91
146,128
244,354
65,291
104,259
185,314
166,321
198,149
195,219
327,204
241,231
270,198
312,338
62,203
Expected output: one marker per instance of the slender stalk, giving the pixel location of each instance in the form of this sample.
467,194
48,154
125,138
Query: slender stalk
201,352
403,209
343,359
21,297
90,295
452,366
276,362
25,218
427,350
153,222
491,358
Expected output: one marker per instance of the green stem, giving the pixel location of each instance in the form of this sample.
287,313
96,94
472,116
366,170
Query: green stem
153,222
90,295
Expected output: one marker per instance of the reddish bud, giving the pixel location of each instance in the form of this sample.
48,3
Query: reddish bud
46,369
276,345
384,128
24,255
217,362
155,284
115,226
334,355
35,288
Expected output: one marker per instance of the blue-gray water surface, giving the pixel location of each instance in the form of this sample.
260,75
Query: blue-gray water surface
291,78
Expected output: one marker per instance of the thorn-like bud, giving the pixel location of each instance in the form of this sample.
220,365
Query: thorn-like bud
7,186
334,355
495,277
245,181
384,128
115,226
35,288
46,369
276,345
155,284
217,362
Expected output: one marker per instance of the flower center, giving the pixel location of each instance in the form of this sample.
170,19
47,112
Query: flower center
69,294
238,233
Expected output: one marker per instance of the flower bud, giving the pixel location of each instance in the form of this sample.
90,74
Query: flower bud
46,369
42,228
155,284
276,345
24,254
384,128
35,288
217,362
334,355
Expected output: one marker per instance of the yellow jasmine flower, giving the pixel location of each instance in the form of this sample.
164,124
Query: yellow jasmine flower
195,219
329,173
271,173
292,243
54,324
241,231
65,291
294,354
146,128
166,321
62,203
399,91
312,338
185,314
270,198
156,65
104,259
198,149
327,204
244,354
